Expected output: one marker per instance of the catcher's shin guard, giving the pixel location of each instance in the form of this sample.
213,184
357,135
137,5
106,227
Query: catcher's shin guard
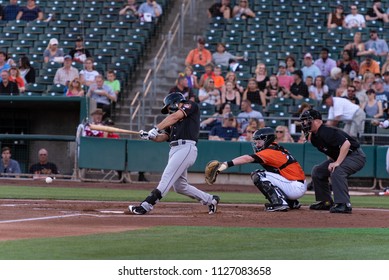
153,197
272,193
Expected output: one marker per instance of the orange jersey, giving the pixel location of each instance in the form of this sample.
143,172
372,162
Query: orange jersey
279,160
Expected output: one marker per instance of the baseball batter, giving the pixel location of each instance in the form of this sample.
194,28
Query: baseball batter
180,128
283,180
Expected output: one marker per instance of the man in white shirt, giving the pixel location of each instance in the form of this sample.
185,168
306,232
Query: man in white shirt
310,69
342,109
67,73
354,19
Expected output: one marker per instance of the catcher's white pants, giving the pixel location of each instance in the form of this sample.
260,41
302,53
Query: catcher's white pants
292,189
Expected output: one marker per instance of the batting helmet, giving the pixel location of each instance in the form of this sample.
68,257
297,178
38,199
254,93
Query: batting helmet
171,102
265,134
307,117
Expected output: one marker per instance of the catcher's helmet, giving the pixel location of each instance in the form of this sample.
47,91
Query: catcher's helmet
266,134
171,102
307,117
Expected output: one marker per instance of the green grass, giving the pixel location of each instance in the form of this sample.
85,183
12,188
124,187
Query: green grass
170,243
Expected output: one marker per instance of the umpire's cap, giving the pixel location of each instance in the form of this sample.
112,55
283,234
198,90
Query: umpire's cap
171,102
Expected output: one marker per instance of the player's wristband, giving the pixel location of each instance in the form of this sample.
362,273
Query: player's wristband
230,163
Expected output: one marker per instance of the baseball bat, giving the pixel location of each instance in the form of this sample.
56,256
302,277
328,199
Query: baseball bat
111,129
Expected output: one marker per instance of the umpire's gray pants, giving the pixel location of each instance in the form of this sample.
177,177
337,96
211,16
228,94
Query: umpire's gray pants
320,174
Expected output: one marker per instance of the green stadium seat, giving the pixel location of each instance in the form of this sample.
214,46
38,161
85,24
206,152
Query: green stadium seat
56,90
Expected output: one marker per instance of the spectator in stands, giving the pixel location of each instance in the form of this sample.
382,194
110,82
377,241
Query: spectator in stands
75,88
350,95
113,83
103,95
199,55
299,89
354,20
360,93
373,107
6,86
253,94
182,87
344,84
3,64
347,63
274,90
43,167
97,119
230,95
30,12
209,94
324,63
79,53
385,67
376,12
368,79
27,72
225,132
66,73
341,109
8,165
216,119
336,18
220,9
318,89
369,65
88,74
386,81
233,65
376,46
247,114
231,76
52,53
191,78
283,135
11,10
381,94
150,7
130,9
222,57
309,68
357,47
333,81
247,136
14,76
261,76
309,81
284,80
242,10
290,65
208,68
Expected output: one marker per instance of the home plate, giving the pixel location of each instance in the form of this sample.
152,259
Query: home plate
110,212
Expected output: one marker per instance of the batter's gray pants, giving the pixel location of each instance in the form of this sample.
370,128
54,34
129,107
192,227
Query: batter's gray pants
320,174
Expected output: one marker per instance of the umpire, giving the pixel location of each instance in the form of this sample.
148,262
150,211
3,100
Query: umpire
345,157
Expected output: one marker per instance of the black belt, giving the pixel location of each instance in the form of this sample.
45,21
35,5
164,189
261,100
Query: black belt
301,181
176,143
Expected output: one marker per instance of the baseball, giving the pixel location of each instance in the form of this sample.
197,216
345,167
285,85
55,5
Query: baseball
49,180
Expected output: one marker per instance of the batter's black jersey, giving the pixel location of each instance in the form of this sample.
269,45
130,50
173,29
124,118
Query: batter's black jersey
189,127
328,140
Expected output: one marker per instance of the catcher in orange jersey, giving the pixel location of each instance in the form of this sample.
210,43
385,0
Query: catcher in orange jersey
283,180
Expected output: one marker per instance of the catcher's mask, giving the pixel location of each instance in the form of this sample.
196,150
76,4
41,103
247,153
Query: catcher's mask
262,138
171,102
306,119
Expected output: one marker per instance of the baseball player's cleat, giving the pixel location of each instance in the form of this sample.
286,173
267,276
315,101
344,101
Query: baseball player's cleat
276,207
321,205
294,204
344,208
213,206
137,210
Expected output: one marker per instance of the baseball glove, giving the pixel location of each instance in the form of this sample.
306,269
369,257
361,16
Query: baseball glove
211,171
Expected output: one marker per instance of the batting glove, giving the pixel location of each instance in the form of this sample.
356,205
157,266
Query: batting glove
384,124
144,135
153,133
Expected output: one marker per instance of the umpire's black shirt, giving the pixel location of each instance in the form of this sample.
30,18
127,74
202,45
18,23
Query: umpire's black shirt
328,140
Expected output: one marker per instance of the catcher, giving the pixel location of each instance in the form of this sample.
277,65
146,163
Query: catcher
283,180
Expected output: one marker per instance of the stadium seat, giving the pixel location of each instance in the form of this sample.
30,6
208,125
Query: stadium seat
35,89
207,109
56,90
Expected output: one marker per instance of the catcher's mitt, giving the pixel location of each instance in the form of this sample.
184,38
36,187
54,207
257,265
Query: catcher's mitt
211,171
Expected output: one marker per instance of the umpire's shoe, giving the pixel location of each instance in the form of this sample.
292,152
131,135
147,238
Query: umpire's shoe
137,210
321,205
212,208
344,208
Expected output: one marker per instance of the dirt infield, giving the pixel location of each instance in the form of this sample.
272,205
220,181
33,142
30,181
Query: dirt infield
22,219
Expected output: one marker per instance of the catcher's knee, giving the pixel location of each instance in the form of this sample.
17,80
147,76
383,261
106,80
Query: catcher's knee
154,196
257,176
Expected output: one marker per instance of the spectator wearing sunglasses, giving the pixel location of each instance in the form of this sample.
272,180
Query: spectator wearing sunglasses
283,135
